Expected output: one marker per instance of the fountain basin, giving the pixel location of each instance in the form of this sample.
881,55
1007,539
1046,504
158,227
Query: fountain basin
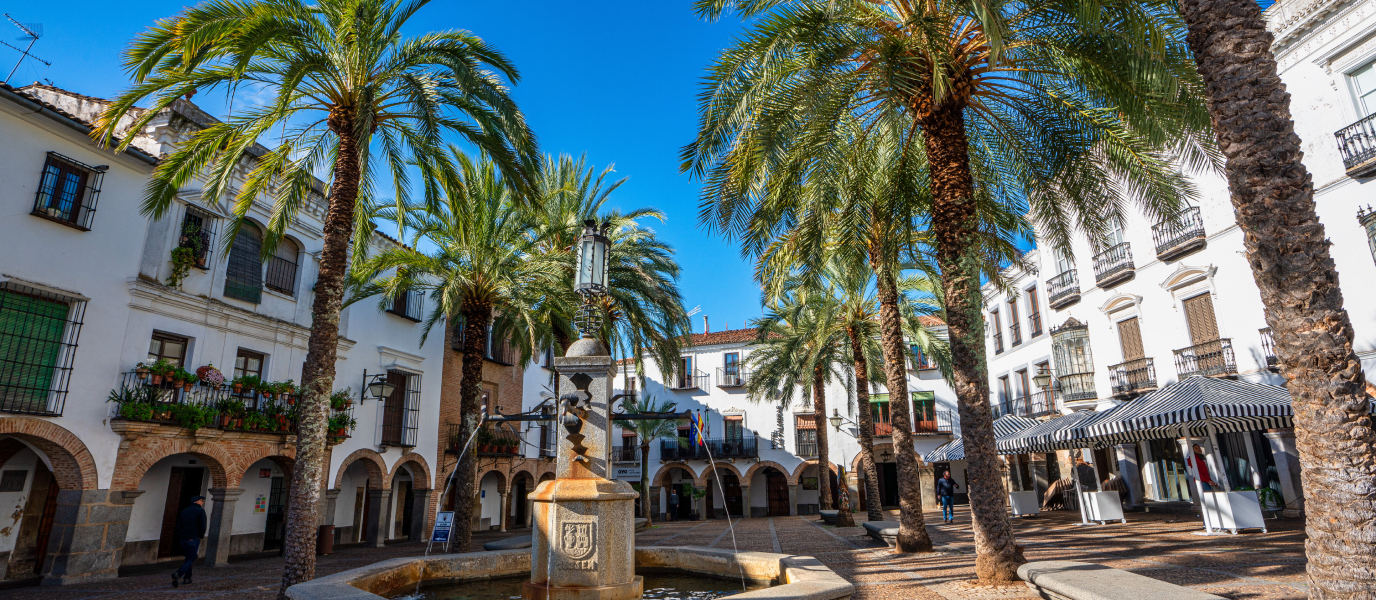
794,577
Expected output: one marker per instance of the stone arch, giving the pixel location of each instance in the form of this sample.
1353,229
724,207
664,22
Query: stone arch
501,480
803,467
855,469
701,480
760,466
134,462
420,473
286,460
72,464
523,474
378,478
547,476
665,470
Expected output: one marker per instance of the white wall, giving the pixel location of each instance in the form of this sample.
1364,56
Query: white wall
491,500
145,522
254,485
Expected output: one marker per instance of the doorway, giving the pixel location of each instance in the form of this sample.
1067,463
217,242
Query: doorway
522,497
731,494
183,484
408,497
685,500
274,530
888,485
776,489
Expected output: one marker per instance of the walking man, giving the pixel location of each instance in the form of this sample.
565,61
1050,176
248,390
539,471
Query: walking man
673,505
946,495
189,531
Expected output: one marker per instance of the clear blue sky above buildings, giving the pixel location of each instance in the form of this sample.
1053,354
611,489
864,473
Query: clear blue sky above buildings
613,79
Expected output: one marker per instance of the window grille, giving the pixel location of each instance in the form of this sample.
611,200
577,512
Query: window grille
244,275
38,339
805,430
67,191
401,410
409,304
198,231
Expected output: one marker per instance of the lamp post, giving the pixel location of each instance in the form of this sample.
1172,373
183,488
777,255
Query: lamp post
836,421
377,386
590,279
1042,378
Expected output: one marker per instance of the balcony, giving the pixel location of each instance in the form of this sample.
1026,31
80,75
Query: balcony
1210,359
932,423
1015,334
744,447
1076,387
883,429
212,406
696,381
729,378
1268,346
624,454
1179,237
1063,290
1043,403
1133,377
1113,266
500,441
1357,144
409,305
1034,324
998,342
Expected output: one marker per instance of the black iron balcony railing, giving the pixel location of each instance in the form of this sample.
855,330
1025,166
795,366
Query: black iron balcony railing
216,406
932,422
807,449
1034,324
1015,334
624,454
1133,377
743,447
1075,387
409,304
1357,144
695,381
998,342
1113,266
1178,237
1063,290
732,377
1268,346
281,275
1042,403
1211,359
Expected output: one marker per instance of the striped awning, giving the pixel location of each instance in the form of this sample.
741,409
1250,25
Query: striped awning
1005,426
1039,437
1077,434
1193,404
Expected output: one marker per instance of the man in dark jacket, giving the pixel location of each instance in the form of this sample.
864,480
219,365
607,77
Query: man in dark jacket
946,495
189,531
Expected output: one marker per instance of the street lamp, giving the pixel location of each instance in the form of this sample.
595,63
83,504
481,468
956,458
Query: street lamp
1042,378
836,420
590,279
378,386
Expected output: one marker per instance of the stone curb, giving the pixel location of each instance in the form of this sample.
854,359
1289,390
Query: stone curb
1070,580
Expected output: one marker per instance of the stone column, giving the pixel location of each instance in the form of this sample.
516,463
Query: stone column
1039,474
221,525
793,499
88,535
420,515
1132,474
653,502
379,517
1288,467
331,505
505,505
745,502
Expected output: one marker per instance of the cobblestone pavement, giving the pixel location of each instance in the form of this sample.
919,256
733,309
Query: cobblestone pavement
1251,566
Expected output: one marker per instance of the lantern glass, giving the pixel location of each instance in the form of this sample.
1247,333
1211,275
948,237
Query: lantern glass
591,275
381,389
835,419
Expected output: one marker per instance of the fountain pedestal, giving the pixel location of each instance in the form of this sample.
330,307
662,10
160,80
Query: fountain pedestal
583,545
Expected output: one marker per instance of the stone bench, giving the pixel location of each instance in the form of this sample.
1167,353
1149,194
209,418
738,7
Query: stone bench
521,541
1069,580
884,531
829,516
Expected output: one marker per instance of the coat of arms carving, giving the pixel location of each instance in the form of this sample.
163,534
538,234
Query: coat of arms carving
579,539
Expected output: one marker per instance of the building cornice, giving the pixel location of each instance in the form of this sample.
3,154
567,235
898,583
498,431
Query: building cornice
153,297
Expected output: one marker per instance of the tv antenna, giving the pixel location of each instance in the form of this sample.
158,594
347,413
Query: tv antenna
31,34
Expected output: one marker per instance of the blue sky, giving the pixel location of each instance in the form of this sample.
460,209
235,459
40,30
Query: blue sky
615,79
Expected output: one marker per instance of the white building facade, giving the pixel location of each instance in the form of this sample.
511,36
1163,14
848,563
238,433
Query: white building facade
85,299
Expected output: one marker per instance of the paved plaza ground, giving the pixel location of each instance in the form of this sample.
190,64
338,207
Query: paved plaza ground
1250,566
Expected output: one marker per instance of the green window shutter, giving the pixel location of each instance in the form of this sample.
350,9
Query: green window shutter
31,331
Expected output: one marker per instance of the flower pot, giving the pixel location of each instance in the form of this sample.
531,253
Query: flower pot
187,385
142,373
291,401
224,421
157,379
238,387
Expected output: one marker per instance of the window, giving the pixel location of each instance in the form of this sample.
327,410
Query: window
732,365
685,372
1363,83
198,230
1023,386
921,360
880,415
1034,313
1367,218
1130,339
924,414
1063,262
1116,234
248,362
735,427
1005,395
1199,315
38,334
630,384
408,305
998,331
401,410
806,435
1014,327
1074,361
244,274
485,399
168,347
67,191
282,267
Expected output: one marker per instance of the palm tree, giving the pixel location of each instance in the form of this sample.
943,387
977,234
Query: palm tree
483,268
1073,112
346,93
647,431
1273,197
794,352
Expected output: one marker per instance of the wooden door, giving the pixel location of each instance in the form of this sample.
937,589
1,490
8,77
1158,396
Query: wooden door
1130,339
274,527
167,537
1199,314
394,409
776,488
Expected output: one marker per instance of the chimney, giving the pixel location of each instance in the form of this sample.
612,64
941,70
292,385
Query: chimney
705,329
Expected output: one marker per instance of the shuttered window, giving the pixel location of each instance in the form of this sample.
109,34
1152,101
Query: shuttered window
1199,313
37,339
244,275
1130,338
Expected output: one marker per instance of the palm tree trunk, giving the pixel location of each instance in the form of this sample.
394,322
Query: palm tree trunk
475,321
819,414
955,226
912,527
873,503
645,498
1273,197
308,473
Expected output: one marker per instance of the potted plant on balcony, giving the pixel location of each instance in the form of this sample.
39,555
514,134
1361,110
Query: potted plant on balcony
132,403
191,416
340,424
210,376
161,370
141,370
256,421
287,390
231,412
188,380
485,437
342,399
